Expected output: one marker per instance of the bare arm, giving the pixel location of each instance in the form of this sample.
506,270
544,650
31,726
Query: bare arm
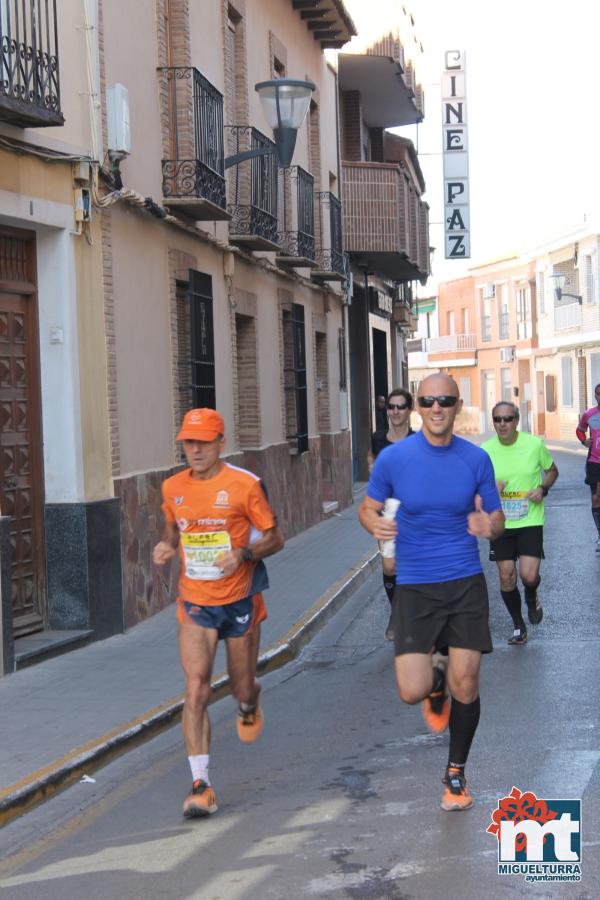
550,476
271,542
485,525
167,546
370,519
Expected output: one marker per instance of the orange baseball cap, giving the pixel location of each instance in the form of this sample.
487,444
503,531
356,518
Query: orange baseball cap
201,425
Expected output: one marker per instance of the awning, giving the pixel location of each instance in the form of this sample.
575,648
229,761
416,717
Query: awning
565,254
386,100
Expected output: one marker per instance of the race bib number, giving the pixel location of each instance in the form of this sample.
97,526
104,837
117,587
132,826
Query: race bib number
515,505
200,551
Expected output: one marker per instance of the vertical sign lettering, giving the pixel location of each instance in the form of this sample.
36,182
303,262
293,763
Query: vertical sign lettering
457,231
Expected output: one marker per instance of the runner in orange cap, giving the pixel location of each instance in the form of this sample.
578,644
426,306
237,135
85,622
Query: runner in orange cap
219,518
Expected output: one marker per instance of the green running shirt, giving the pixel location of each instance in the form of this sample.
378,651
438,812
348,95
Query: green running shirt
521,465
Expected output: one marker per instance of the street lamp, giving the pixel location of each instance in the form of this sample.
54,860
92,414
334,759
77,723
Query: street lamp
559,283
285,102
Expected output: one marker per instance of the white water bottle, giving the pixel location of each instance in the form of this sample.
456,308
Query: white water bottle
390,508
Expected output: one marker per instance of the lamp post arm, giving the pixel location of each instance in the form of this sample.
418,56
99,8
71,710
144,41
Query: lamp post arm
577,297
247,154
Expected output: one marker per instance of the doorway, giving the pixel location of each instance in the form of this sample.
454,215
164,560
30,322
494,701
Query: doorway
21,467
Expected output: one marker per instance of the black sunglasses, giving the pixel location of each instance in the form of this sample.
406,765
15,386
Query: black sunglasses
498,419
397,406
444,400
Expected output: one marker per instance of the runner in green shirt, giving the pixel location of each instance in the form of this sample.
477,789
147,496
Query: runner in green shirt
524,472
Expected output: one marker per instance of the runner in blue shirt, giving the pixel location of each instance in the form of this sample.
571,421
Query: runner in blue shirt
448,499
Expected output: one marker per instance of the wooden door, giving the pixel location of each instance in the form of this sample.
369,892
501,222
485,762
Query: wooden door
21,471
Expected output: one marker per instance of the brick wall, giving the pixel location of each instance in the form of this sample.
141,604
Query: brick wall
321,367
372,208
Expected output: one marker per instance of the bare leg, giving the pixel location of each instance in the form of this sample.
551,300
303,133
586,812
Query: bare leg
242,656
197,647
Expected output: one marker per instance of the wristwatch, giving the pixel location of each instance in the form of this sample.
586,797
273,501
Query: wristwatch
246,554
544,490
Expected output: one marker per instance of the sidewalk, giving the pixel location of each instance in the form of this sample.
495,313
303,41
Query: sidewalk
66,715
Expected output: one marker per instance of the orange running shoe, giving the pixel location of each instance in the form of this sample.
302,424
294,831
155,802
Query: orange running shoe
250,724
456,795
201,801
436,707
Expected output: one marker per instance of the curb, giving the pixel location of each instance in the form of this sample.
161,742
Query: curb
24,795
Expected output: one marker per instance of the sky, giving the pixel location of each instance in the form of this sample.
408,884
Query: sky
533,70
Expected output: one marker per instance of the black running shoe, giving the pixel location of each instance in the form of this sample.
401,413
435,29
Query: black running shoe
519,635
535,611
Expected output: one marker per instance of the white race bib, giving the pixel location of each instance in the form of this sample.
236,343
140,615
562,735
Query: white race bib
515,505
200,549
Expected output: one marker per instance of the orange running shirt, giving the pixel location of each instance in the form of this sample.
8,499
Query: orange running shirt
214,516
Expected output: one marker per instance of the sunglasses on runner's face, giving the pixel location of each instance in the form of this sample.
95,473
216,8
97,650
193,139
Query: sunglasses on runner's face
444,400
498,419
397,406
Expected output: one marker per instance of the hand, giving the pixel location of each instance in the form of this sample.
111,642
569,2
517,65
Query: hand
587,442
501,485
479,523
384,529
162,553
535,496
229,562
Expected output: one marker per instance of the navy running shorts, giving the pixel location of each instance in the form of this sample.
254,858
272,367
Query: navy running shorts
229,620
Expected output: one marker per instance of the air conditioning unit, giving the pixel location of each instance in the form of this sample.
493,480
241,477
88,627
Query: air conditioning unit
489,291
507,354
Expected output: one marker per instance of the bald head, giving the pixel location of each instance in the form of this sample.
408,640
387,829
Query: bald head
438,384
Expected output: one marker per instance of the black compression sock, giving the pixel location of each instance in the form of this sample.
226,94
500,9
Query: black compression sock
512,601
596,515
389,583
464,718
530,591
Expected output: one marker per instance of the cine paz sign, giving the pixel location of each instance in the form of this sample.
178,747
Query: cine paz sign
457,237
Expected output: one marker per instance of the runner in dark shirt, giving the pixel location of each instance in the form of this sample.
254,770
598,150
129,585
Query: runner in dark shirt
399,407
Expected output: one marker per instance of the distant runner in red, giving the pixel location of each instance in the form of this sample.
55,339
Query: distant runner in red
590,419
219,518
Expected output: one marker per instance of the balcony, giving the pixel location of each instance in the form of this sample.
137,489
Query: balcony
567,317
385,221
252,191
29,79
331,263
385,83
451,342
296,218
193,181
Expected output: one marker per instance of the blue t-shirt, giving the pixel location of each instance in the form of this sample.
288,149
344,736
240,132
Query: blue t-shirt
436,487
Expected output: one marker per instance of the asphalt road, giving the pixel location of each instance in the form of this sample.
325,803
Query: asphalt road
340,796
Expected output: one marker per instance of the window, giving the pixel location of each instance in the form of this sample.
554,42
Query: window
322,381
342,359
465,390
523,304
195,342
294,377
589,278
248,407
550,393
594,371
450,322
505,382
541,294
465,321
566,370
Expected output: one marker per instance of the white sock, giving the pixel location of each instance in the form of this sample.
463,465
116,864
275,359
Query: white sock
199,767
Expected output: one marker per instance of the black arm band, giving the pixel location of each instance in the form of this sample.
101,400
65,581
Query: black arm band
545,490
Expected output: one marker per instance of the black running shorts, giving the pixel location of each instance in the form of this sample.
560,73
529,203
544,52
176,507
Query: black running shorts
516,542
448,613
592,475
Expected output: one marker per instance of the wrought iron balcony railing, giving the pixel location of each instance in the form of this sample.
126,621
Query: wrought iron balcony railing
252,190
296,217
332,264
503,324
29,80
193,175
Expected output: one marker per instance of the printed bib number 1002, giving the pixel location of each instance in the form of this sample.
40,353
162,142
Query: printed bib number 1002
200,551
